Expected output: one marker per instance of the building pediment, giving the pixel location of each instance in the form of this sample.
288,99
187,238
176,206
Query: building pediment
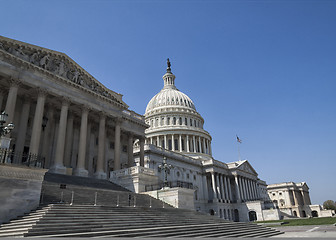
246,167
58,64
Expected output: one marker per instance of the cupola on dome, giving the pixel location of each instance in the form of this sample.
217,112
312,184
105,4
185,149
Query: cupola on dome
169,96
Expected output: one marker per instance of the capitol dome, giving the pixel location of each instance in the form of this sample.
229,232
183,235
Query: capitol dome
174,123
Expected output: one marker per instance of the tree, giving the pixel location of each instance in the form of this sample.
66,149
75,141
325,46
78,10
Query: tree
329,204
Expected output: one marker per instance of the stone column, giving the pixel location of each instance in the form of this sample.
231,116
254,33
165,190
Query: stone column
117,145
88,158
165,142
100,174
37,124
130,159
229,188
173,142
200,144
2,93
151,140
80,168
205,188
251,189
213,183
68,141
222,187
226,188
188,150
194,141
142,152
219,194
158,141
180,142
241,189
58,166
237,189
245,189
11,100
204,147
20,142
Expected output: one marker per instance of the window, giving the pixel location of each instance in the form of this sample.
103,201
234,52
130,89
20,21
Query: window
96,141
195,123
178,174
188,176
111,145
180,121
273,194
174,121
168,121
191,122
186,121
195,177
170,144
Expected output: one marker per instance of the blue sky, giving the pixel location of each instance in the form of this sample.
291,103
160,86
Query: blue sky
264,70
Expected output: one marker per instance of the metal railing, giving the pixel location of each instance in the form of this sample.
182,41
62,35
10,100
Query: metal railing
9,156
171,184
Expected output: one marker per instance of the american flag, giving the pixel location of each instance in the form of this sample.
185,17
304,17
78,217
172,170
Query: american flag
238,139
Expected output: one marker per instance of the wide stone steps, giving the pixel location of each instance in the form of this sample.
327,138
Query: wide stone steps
62,220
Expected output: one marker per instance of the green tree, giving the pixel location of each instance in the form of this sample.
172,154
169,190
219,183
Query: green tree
329,204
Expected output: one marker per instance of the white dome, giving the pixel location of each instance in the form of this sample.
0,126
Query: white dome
170,97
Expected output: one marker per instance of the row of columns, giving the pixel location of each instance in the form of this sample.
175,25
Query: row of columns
221,187
246,189
187,143
64,133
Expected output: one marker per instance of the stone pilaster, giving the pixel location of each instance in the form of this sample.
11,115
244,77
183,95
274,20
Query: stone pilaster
180,142
188,150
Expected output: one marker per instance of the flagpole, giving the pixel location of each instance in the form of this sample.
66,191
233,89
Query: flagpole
239,158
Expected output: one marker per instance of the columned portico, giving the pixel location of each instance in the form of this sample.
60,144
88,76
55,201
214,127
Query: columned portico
11,99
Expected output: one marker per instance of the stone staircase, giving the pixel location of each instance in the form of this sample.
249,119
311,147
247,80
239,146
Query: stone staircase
58,188
64,220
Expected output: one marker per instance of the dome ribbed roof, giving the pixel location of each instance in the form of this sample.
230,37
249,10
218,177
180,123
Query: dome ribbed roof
170,97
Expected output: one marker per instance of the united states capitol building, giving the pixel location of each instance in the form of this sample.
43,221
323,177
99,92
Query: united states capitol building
67,122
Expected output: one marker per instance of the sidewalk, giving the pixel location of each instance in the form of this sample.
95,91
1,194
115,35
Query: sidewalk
308,231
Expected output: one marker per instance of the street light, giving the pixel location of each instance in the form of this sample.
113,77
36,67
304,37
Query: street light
166,167
4,130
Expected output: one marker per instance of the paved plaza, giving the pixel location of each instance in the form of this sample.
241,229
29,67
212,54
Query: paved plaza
310,231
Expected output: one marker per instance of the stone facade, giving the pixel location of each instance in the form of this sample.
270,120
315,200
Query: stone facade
65,119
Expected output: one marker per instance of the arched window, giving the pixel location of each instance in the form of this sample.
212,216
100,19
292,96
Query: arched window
174,121
180,121
152,123
162,121
195,123
191,122
168,120
186,121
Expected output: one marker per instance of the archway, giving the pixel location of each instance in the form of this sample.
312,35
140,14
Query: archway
236,215
252,216
314,213
294,213
212,212
304,213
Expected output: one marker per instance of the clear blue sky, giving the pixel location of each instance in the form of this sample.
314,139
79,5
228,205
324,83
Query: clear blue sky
265,70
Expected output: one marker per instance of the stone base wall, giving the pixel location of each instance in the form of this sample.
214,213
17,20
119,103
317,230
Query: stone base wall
176,197
20,190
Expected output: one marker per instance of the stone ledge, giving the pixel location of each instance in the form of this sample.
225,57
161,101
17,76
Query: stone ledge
21,172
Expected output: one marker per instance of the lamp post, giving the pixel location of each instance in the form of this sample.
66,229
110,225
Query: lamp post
166,167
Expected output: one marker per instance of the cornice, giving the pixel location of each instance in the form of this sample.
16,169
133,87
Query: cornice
57,65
